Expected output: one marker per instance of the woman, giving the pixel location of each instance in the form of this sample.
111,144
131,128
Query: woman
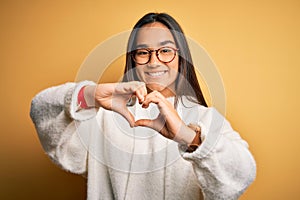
151,136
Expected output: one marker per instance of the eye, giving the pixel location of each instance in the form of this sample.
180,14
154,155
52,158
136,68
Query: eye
141,52
166,50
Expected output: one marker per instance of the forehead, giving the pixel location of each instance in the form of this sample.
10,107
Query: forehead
153,35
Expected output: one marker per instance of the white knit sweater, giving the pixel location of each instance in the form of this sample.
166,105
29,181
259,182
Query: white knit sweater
138,163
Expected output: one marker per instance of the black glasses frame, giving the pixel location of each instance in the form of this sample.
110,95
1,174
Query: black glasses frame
156,53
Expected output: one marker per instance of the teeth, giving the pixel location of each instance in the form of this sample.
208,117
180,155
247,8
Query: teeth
156,73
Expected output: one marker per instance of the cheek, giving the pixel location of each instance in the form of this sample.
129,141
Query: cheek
174,67
139,72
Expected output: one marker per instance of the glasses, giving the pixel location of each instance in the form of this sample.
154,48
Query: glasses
163,54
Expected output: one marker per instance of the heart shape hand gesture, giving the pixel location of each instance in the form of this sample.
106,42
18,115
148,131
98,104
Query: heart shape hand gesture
114,96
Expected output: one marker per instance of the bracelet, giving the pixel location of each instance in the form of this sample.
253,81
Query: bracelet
197,139
80,99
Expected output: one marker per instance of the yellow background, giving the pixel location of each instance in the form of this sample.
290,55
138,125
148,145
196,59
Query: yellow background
255,45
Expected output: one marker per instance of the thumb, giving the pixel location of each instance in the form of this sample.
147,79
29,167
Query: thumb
144,122
156,124
128,116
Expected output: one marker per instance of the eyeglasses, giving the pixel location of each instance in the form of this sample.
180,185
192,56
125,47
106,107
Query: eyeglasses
163,54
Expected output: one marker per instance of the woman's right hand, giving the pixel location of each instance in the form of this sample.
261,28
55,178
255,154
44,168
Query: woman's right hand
114,96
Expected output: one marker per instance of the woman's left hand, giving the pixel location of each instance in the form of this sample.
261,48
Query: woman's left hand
168,123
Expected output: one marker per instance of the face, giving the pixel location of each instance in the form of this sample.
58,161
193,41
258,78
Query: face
157,75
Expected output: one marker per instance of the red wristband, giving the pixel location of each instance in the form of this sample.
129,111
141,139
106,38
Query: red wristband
80,99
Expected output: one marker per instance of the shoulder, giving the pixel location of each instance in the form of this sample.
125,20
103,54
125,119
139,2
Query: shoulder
188,102
190,110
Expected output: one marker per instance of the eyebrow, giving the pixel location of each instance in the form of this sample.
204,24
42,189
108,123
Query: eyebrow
166,42
161,44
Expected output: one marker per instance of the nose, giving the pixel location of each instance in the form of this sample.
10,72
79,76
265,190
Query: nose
153,60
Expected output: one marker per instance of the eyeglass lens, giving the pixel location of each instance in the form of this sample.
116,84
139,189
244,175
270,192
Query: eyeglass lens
164,54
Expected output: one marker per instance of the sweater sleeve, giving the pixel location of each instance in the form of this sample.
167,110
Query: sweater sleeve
222,163
56,119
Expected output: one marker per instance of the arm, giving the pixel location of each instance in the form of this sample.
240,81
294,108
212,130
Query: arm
63,129
53,112
223,164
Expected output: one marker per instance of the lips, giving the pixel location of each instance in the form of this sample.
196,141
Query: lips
156,74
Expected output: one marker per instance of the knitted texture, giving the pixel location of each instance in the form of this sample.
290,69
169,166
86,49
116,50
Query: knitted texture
144,165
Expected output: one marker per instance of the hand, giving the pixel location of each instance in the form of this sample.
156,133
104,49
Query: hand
114,96
168,122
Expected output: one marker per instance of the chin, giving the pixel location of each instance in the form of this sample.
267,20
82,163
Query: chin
155,86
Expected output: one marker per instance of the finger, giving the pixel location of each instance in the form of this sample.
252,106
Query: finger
144,122
141,92
128,116
128,87
153,124
156,124
153,97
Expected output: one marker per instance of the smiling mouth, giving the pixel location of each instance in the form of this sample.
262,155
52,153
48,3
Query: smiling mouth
156,74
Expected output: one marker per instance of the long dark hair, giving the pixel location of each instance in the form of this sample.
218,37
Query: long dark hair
186,83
